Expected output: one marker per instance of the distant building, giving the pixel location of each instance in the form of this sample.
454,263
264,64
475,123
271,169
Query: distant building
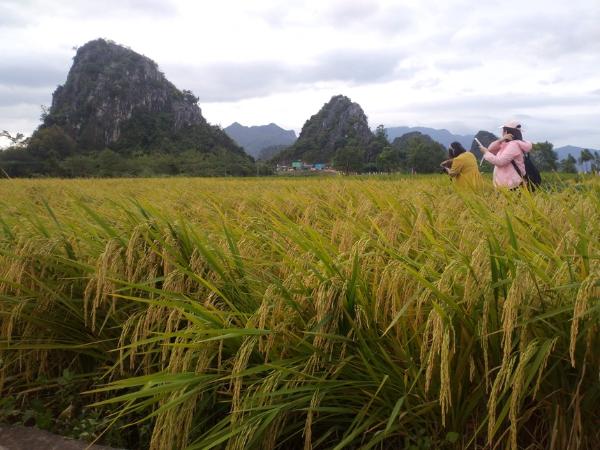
297,165
319,166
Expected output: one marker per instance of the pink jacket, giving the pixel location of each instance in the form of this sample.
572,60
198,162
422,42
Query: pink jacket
501,154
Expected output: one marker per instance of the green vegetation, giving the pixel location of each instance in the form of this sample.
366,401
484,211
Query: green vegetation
349,158
339,124
323,313
117,115
544,156
413,152
568,165
147,148
110,163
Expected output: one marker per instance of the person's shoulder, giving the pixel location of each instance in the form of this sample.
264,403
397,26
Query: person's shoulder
513,146
467,156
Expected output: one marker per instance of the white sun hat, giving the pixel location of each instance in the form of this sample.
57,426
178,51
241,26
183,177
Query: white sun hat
511,124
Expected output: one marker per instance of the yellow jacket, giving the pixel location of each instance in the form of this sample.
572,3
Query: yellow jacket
465,171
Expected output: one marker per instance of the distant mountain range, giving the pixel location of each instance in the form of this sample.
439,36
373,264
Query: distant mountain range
271,139
567,150
256,138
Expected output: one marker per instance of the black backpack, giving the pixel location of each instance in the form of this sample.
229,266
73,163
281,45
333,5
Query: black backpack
532,175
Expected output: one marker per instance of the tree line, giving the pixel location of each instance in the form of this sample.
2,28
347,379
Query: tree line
51,152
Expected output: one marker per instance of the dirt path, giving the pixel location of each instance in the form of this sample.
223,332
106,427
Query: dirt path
17,437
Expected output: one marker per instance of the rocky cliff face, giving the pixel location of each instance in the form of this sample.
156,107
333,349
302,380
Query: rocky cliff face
338,123
486,138
108,87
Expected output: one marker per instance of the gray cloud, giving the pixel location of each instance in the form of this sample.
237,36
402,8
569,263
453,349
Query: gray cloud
345,13
363,15
457,63
505,101
11,16
32,74
136,8
451,47
426,83
19,118
11,96
31,78
356,66
535,110
544,36
30,11
230,81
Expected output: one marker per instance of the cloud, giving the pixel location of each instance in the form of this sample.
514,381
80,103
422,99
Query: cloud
233,81
32,74
408,61
535,32
356,66
19,118
341,15
447,64
510,101
11,96
134,8
348,12
11,16
426,83
15,14
30,79
561,119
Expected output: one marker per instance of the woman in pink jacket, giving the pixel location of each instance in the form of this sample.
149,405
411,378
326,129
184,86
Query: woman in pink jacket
503,152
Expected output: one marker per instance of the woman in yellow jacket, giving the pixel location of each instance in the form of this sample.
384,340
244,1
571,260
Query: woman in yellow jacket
462,167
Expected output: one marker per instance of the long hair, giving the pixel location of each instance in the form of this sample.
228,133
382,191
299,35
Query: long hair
456,149
516,133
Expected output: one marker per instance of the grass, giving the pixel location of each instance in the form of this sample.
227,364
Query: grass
321,313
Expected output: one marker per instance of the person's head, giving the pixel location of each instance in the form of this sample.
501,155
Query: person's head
456,149
516,133
512,127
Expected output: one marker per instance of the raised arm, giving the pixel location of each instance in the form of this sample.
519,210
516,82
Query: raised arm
495,146
512,151
525,146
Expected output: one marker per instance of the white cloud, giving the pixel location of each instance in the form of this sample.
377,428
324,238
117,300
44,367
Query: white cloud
447,63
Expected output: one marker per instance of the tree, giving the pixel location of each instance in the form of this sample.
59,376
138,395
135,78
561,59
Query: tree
585,157
418,152
381,135
79,166
349,158
18,140
568,165
189,97
544,156
424,156
596,162
389,160
44,114
51,142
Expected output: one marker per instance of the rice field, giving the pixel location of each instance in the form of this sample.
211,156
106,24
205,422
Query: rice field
321,313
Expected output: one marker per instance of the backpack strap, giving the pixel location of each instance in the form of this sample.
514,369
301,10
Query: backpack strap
514,164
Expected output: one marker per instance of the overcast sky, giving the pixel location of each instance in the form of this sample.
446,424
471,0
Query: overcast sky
461,65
